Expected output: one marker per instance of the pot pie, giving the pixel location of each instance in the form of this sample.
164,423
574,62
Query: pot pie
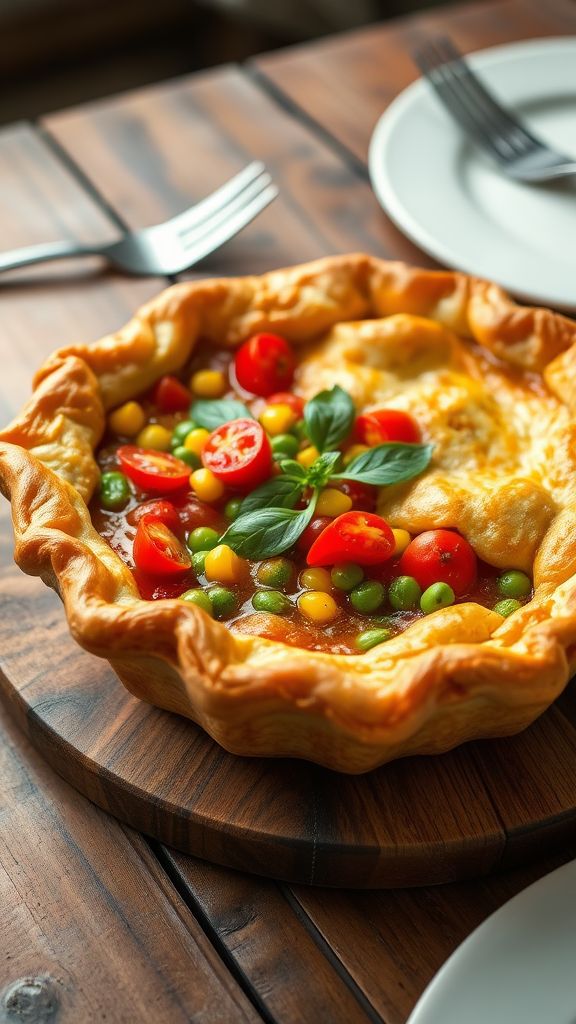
328,513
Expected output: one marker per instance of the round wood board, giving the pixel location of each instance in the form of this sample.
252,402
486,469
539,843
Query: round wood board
414,822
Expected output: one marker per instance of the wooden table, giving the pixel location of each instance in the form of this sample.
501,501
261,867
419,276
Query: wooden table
99,923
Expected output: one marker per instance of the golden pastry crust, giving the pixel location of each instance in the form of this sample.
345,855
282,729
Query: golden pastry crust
490,382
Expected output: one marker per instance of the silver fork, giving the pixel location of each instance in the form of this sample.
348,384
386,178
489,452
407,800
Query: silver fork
178,243
518,153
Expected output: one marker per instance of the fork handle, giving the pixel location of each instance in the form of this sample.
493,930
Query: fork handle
42,253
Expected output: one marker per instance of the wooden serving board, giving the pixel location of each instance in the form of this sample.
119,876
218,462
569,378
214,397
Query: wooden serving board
414,822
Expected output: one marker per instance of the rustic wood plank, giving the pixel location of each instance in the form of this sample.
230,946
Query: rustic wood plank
154,151
254,920
344,83
82,912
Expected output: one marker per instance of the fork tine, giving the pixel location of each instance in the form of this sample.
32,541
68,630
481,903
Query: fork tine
206,207
226,210
197,249
443,83
517,136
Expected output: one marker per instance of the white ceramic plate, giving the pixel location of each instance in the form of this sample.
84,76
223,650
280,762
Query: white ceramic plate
449,199
518,967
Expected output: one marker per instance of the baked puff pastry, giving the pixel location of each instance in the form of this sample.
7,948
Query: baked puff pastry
492,386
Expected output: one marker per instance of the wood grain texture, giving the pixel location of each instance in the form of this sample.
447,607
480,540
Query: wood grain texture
344,83
154,151
83,914
254,919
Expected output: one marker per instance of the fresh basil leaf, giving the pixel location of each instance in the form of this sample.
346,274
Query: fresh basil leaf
212,413
293,469
329,417
323,468
279,492
267,531
388,464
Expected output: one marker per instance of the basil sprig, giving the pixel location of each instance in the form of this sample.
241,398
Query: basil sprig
329,417
268,531
390,463
211,412
269,522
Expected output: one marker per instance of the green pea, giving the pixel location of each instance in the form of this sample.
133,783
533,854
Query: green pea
198,559
347,575
198,597
114,490
203,538
232,508
514,584
190,458
285,445
180,432
507,606
271,601
404,593
439,595
299,430
224,602
275,572
371,638
367,596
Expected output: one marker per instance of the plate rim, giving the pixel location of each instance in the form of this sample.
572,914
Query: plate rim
419,1014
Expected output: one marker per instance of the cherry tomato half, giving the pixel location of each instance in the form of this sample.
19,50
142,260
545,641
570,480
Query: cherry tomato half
157,551
158,511
381,425
353,537
264,364
440,556
153,470
295,402
239,454
170,395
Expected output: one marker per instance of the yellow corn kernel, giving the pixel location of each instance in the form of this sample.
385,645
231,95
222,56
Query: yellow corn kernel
332,502
205,485
353,452
402,538
154,436
316,579
223,565
196,440
307,456
277,419
208,384
318,607
127,420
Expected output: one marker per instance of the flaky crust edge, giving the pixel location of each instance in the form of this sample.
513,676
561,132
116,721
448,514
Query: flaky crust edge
459,674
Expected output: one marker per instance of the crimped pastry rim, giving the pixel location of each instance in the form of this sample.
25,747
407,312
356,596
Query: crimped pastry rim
420,692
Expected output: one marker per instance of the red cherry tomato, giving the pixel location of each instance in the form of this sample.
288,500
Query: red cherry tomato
152,470
353,537
170,395
239,454
312,532
157,551
362,496
383,425
295,402
440,556
156,511
264,364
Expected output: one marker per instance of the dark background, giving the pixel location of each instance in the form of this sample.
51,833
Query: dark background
55,53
